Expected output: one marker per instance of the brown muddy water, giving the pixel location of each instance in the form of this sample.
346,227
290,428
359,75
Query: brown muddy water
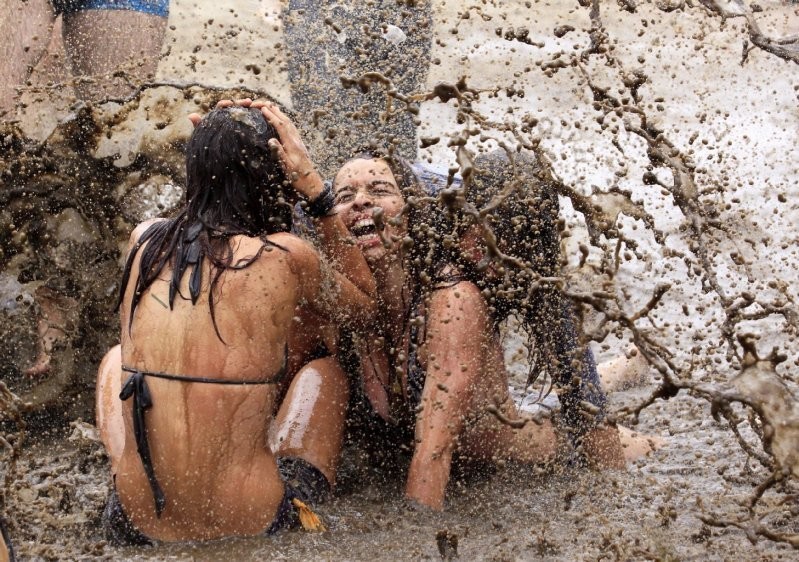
649,512
671,133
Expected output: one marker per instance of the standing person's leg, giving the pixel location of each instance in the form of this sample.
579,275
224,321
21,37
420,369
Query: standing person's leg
100,42
25,28
310,422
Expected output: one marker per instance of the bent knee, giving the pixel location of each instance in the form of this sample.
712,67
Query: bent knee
328,370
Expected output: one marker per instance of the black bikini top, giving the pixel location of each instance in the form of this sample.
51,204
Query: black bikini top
136,386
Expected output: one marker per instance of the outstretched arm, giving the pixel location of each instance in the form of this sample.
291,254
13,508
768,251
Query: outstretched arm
458,334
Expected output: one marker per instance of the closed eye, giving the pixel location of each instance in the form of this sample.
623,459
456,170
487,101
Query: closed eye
383,188
382,191
343,197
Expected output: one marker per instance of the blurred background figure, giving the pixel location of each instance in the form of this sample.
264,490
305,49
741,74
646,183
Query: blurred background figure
110,44
327,40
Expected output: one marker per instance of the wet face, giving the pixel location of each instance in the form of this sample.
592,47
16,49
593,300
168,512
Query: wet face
361,187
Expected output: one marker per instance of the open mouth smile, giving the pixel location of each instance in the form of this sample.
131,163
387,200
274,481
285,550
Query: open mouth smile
363,228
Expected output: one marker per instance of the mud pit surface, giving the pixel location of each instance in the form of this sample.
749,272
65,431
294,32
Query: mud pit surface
649,512
678,178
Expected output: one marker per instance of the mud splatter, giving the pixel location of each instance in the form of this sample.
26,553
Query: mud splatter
673,245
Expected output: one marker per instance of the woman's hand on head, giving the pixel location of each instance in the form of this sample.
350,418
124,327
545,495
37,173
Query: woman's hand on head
289,149
195,118
292,153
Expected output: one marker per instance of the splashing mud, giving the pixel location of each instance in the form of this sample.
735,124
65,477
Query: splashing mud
668,130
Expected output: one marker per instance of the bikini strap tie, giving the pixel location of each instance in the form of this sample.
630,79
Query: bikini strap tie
136,386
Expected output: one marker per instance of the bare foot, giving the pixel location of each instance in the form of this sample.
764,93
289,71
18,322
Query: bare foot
40,368
625,371
52,325
49,335
637,445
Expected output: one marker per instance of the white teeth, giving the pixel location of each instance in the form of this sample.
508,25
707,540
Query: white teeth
363,223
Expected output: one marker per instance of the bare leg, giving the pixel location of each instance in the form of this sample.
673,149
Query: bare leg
491,439
101,42
108,406
25,28
602,447
310,421
636,445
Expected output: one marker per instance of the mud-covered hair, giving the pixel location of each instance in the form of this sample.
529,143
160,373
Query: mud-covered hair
516,198
517,195
234,186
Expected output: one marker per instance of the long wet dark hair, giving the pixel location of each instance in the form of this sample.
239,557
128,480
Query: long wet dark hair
515,197
234,186
517,194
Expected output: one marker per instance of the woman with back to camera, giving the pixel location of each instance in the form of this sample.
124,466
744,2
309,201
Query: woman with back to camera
208,304
435,378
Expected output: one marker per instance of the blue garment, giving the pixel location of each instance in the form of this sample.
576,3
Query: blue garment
154,7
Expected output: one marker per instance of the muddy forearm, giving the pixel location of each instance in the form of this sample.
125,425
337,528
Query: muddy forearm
336,243
438,426
457,329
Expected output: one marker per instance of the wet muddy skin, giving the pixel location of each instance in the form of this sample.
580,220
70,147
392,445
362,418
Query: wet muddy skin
671,147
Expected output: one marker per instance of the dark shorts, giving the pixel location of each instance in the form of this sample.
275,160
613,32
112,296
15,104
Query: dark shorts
303,481
119,531
154,7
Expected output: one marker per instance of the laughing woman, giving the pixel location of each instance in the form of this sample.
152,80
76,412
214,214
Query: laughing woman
209,301
435,378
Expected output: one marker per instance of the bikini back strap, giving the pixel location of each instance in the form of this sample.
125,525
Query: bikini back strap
136,386
204,380
278,377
